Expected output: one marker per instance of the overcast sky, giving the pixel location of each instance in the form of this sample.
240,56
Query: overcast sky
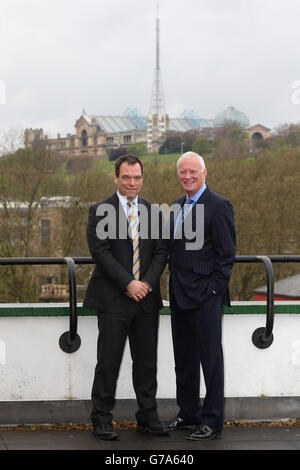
60,56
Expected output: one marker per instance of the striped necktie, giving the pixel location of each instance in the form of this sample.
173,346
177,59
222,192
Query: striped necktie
134,229
186,208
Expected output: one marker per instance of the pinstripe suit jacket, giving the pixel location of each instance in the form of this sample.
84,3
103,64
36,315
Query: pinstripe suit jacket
198,275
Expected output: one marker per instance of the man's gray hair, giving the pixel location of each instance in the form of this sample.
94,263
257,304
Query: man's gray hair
191,154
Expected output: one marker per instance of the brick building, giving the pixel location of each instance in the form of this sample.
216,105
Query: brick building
96,135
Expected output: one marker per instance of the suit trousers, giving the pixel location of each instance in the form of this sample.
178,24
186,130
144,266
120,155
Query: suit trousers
141,329
197,341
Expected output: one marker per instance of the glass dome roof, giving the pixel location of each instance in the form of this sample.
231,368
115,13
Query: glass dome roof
231,115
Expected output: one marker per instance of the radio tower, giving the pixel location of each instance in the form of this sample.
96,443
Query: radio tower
157,119
157,100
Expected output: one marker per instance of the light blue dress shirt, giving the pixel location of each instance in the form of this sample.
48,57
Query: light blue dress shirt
194,199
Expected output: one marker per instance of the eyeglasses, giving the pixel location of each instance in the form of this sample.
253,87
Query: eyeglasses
127,178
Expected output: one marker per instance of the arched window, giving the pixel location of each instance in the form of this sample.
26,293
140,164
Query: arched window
257,137
257,140
84,138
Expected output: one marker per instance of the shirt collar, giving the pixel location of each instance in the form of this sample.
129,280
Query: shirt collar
123,200
199,193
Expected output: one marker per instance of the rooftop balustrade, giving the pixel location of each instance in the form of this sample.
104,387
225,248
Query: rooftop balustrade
70,340
48,353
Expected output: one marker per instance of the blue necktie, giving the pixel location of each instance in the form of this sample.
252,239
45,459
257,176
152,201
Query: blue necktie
186,208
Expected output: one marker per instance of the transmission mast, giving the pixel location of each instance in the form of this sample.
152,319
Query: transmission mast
157,119
157,100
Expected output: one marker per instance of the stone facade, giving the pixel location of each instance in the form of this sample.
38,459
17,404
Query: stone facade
90,138
95,136
258,132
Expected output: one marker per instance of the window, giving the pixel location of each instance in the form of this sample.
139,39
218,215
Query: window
44,232
110,141
127,139
84,138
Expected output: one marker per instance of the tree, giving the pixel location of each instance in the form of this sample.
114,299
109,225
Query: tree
174,143
202,146
263,188
24,176
137,149
288,133
234,144
264,193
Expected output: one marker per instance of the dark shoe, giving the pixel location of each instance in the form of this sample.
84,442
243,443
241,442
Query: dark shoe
105,431
155,427
203,433
177,423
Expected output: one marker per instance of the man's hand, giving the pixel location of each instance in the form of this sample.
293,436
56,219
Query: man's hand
137,290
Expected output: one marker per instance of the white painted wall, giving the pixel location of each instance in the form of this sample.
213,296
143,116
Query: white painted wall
33,367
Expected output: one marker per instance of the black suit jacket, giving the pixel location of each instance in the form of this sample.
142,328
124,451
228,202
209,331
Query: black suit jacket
113,260
197,275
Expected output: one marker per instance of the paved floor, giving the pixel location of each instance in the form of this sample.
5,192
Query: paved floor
253,437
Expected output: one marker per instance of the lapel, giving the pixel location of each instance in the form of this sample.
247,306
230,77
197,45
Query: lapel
202,200
121,219
122,223
174,215
142,240
204,196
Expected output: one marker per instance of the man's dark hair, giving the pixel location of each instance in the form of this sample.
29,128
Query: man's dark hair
130,159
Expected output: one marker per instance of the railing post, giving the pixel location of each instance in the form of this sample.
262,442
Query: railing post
263,337
70,341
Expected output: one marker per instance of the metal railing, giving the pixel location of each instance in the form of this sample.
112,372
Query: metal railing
70,340
263,337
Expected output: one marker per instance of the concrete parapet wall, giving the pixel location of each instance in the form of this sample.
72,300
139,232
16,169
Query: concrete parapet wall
33,368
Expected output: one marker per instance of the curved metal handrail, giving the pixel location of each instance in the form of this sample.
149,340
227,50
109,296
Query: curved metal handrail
263,337
70,340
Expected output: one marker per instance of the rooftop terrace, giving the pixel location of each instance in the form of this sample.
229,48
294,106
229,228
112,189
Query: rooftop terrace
46,382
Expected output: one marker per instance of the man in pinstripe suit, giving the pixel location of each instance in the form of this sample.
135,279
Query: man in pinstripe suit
198,287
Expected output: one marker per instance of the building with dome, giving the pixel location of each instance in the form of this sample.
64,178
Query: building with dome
231,116
96,135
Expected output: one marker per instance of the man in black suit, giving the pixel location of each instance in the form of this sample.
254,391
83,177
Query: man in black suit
199,277
125,290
